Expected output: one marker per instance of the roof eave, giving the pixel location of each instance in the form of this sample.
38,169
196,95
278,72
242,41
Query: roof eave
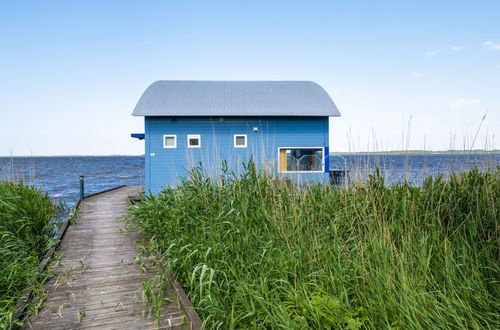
225,115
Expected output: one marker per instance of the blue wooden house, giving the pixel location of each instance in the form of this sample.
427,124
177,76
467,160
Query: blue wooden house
283,125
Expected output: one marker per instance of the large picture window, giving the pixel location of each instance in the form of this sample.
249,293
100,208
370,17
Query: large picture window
301,159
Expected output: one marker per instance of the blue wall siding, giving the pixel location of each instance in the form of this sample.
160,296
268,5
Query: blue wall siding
166,166
147,162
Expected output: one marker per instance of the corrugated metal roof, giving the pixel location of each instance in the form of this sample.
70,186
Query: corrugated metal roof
235,98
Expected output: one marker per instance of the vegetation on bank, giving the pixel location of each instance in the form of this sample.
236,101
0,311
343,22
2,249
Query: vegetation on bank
25,226
421,152
253,251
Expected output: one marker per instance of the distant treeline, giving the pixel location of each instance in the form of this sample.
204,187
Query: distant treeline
419,152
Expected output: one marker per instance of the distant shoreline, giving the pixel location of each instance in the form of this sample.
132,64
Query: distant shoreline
419,152
392,152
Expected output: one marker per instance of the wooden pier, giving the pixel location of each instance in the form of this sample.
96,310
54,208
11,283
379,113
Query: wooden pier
98,282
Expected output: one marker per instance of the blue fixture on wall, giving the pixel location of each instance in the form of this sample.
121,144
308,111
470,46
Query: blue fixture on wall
139,136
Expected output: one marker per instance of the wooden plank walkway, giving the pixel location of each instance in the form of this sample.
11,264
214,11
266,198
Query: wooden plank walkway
97,283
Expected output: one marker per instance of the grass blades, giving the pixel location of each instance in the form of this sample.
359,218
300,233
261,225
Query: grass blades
252,251
25,229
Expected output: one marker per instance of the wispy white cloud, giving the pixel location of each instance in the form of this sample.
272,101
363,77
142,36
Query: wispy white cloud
490,45
457,48
460,103
416,74
432,53
497,66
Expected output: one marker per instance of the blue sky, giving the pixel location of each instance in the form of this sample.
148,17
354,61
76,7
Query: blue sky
71,72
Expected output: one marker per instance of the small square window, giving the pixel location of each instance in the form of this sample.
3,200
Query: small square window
194,141
240,140
169,141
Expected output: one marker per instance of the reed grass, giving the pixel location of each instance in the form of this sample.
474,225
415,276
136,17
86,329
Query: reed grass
253,251
25,228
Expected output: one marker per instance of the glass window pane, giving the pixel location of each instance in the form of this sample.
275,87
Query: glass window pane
194,142
240,140
169,141
304,160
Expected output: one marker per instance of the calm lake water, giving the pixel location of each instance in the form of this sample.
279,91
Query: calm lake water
412,168
59,176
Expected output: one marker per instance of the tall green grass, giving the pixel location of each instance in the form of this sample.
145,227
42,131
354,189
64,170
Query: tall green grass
255,252
25,215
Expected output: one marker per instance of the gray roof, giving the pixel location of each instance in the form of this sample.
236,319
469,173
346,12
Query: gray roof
235,98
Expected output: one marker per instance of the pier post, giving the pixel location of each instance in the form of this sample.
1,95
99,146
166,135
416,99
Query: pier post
82,195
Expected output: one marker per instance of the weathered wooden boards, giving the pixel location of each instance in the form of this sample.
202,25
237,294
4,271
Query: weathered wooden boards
97,283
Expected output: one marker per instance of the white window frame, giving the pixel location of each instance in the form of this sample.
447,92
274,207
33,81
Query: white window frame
175,141
322,160
240,135
194,136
